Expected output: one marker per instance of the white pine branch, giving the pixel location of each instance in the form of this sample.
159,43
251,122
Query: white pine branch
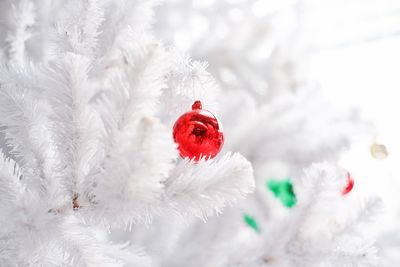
129,189
128,18
77,126
22,16
10,184
28,224
354,251
24,121
78,28
92,22
140,80
87,246
187,81
133,79
366,212
205,188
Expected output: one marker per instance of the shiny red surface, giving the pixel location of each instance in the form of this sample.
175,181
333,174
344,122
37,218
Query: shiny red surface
349,186
198,133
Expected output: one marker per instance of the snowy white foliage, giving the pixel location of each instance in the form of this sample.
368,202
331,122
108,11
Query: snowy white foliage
192,194
88,97
296,129
249,44
276,117
325,228
257,50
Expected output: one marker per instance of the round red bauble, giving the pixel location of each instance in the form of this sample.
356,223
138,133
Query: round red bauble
198,134
349,186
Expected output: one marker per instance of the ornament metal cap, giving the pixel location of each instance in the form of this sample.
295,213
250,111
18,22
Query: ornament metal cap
197,105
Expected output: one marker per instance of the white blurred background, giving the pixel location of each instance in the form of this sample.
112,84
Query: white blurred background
348,49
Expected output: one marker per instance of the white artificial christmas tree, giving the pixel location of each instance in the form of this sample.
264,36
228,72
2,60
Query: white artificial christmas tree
91,176
88,100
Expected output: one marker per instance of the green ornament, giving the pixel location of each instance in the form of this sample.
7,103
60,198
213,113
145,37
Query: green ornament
283,190
250,221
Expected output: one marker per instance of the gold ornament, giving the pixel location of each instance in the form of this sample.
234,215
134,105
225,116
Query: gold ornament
379,151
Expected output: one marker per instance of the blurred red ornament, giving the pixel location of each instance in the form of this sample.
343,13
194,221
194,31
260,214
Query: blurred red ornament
349,186
198,134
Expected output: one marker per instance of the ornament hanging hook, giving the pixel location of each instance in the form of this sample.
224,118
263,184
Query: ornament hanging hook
193,87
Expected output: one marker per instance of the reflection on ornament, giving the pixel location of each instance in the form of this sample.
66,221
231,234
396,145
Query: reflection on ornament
283,190
251,222
349,186
379,151
198,134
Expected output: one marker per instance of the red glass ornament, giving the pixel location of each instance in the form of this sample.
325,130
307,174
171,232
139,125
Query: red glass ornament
198,134
349,186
